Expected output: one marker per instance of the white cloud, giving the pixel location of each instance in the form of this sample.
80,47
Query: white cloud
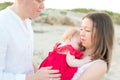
6,1
111,5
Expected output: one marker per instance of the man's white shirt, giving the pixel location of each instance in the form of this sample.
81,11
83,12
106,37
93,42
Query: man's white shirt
16,46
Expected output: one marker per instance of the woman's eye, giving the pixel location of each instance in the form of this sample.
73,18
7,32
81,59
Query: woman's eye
87,30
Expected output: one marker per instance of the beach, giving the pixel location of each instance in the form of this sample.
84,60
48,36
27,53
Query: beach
45,36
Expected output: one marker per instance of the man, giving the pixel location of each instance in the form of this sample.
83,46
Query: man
16,43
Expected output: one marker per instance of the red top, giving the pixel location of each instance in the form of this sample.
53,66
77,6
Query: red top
58,61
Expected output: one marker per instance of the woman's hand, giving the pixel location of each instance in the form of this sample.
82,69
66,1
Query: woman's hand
44,73
35,67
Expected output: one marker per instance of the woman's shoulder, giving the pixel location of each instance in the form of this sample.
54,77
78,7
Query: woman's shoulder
99,63
99,66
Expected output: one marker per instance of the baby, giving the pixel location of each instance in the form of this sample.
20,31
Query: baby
66,56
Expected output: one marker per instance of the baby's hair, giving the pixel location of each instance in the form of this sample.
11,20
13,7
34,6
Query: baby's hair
69,33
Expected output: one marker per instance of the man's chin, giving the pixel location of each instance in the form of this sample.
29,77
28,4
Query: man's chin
35,16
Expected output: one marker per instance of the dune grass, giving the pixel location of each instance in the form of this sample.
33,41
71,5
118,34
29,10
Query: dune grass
5,4
114,16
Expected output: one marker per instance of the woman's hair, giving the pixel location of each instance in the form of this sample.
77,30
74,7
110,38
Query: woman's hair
68,34
103,37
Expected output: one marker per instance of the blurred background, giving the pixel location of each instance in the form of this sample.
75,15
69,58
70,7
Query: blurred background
60,15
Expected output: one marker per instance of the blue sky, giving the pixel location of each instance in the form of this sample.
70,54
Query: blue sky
111,5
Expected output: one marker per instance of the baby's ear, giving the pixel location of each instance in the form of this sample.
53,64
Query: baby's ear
69,37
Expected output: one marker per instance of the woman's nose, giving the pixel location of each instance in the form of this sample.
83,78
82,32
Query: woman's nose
82,33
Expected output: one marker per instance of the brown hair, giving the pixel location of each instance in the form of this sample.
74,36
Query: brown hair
103,37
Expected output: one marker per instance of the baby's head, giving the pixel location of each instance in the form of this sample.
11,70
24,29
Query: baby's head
72,35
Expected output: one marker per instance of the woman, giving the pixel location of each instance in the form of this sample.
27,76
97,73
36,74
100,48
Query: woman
97,35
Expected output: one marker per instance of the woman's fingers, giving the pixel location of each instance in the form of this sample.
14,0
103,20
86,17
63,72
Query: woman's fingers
50,73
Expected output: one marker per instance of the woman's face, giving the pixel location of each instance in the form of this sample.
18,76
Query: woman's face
86,33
